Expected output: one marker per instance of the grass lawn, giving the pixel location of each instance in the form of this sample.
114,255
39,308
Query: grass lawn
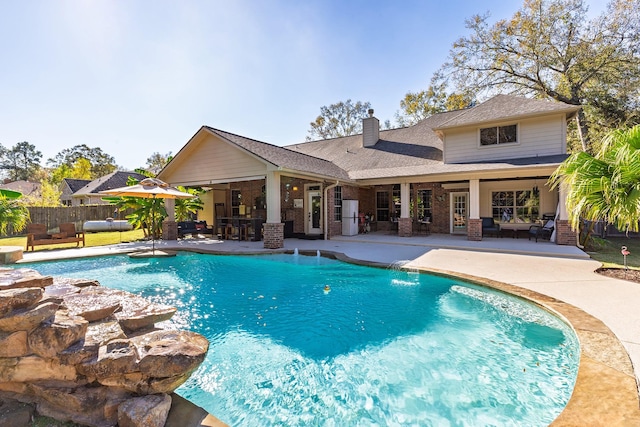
607,251
90,239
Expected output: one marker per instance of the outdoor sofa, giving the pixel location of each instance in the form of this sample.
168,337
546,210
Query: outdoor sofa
37,235
194,227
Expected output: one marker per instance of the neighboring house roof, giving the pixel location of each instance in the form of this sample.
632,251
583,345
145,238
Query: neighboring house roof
504,108
283,157
113,180
25,187
76,184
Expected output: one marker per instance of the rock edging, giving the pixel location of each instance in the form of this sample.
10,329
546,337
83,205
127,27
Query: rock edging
80,352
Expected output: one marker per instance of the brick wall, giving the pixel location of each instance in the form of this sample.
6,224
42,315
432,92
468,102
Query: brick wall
474,229
405,227
564,234
273,235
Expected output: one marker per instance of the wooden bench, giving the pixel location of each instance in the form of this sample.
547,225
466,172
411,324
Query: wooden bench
37,235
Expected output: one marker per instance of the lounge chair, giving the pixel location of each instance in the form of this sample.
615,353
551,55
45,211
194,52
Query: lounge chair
489,226
542,231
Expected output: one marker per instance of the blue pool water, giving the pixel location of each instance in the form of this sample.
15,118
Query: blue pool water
382,348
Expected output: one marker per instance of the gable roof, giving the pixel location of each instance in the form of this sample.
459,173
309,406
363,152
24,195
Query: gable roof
410,151
76,184
504,108
113,180
283,157
25,187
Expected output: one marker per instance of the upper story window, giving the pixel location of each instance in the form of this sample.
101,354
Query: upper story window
498,135
337,203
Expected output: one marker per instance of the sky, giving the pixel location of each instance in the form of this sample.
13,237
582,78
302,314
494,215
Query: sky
136,77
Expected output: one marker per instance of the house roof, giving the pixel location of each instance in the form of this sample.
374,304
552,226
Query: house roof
76,184
283,157
25,187
504,108
414,148
410,151
113,180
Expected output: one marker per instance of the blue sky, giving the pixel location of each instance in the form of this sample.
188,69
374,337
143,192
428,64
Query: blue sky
136,77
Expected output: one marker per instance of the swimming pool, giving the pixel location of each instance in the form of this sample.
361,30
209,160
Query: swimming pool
382,347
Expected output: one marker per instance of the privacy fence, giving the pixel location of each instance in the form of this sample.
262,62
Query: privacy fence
53,217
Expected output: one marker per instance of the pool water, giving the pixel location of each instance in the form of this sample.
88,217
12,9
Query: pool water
381,348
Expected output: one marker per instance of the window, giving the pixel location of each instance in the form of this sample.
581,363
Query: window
498,135
382,206
423,206
337,203
515,206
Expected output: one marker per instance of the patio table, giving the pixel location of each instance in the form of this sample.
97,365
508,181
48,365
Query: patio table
515,227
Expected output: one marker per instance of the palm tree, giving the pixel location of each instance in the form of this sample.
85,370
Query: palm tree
149,213
12,211
605,186
186,207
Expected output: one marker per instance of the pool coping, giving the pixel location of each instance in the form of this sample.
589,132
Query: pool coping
605,392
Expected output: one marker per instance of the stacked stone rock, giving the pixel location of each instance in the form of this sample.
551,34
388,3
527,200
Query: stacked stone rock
77,351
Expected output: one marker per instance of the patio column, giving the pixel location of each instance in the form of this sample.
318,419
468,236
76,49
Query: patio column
169,225
274,227
474,223
565,235
404,222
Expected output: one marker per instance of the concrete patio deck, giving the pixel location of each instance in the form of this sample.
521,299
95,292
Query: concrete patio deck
564,273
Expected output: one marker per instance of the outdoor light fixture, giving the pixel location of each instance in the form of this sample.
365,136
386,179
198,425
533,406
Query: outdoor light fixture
295,188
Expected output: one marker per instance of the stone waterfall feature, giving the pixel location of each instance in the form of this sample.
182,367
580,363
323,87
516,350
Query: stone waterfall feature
77,351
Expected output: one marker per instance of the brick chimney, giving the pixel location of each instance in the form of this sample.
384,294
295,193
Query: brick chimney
370,130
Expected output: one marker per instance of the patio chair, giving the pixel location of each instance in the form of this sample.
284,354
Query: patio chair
490,226
542,231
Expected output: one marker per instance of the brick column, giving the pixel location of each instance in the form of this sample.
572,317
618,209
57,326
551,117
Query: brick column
564,234
405,227
273,235
169,230
474,229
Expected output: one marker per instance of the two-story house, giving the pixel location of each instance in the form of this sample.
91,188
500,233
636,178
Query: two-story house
451,169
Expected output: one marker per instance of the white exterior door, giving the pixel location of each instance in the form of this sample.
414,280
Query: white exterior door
313,210
459,208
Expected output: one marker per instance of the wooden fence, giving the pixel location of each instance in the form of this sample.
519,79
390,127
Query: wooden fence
53,217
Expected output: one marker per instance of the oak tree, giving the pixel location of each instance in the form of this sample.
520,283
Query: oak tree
338,120
552,49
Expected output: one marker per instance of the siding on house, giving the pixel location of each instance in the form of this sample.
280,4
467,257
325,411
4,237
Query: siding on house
543,136
212,159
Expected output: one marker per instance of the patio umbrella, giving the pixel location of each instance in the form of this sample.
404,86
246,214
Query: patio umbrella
149,188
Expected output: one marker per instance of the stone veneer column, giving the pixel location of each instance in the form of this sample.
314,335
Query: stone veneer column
405,227
474,229
273,235
564,234
169,230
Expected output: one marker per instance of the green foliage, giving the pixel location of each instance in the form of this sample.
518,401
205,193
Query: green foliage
551,49
186,207
605,186
101,163
148,213
157,161
12,211
420,105
21,162
338,120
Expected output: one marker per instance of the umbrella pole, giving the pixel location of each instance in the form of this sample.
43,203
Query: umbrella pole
153,225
